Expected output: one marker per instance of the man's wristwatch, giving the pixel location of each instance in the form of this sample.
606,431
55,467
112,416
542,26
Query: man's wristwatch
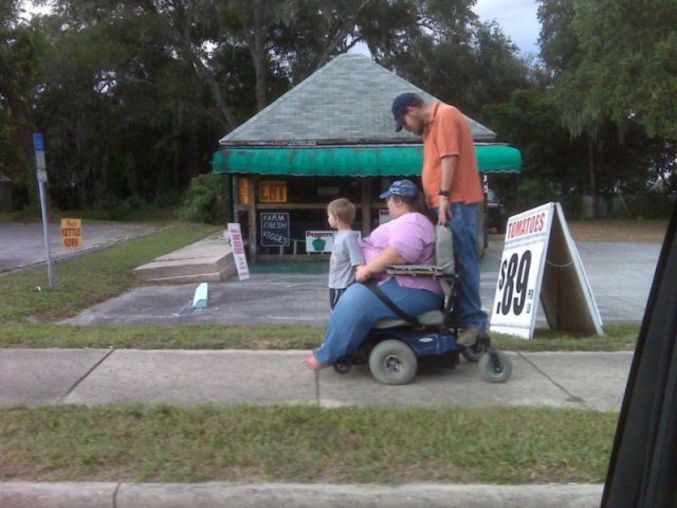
444,193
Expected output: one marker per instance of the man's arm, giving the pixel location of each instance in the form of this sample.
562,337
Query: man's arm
448,170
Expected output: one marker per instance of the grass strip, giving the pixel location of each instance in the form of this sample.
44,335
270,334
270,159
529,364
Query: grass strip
617,337
304,444
88,279
48,335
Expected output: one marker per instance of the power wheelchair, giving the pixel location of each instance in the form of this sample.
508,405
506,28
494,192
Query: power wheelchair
395,347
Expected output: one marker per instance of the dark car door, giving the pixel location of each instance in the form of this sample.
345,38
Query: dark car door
643,466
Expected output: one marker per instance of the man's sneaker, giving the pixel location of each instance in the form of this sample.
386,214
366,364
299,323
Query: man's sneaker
467,337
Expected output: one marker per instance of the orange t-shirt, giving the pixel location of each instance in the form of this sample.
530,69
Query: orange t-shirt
449,134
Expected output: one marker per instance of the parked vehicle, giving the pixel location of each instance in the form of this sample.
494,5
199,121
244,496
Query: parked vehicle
497,216
491,215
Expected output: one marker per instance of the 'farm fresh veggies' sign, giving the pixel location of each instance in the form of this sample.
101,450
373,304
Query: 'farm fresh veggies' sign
275,229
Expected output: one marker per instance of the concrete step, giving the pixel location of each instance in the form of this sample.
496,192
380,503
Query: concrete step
221,276
158,270
207,260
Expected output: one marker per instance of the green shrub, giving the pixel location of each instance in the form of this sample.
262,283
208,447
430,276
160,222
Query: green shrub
532,192
127,208
649,205
168,199
207,200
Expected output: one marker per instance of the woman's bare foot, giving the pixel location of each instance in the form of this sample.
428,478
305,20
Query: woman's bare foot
312,363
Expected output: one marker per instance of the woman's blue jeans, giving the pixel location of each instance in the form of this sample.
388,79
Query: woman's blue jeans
358,310
463,224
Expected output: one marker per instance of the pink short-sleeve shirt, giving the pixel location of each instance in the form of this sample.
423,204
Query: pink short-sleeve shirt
413,236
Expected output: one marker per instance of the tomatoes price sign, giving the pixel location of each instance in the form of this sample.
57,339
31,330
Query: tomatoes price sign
520,271
516,301
541,265
514,283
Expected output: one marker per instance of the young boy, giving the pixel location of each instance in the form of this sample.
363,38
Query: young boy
346,256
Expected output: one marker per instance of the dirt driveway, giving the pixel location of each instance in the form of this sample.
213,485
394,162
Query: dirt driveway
609,230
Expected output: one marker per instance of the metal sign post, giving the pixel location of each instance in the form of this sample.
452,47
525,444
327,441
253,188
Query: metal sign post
41,170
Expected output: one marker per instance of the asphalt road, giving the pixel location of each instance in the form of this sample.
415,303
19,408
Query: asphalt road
22,243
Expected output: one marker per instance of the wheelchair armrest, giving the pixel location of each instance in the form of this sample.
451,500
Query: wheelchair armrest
415,270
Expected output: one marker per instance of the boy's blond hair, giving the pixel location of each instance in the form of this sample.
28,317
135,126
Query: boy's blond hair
343,209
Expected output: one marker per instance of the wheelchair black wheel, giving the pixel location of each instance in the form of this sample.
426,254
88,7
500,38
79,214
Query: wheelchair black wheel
496,367
392,362
474,353
342,367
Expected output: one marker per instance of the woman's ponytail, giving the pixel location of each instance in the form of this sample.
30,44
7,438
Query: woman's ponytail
420,204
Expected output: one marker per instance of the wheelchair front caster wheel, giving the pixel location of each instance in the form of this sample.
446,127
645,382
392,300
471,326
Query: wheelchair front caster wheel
495,366
342,367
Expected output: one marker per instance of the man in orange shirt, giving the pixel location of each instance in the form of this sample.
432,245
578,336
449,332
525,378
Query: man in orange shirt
453,189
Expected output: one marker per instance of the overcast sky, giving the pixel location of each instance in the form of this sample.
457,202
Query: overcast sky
517,18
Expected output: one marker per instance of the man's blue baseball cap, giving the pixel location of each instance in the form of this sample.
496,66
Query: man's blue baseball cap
403,188
400,105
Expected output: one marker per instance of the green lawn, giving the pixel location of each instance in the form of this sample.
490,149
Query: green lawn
26,334
305,444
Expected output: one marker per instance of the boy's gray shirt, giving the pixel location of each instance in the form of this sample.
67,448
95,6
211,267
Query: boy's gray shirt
344,257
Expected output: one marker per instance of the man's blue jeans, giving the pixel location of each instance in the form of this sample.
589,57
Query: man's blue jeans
463,224
358,310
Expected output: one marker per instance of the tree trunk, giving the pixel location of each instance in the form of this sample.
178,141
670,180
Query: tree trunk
258,52
593,180
23,139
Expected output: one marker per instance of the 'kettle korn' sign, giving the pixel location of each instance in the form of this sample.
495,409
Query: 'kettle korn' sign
540,262
71,233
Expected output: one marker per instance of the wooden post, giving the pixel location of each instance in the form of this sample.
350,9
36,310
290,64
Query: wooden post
251,213
366,206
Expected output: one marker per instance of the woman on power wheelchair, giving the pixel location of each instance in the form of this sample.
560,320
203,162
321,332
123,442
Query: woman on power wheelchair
403,312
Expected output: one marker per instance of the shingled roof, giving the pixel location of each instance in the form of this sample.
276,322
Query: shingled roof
345,102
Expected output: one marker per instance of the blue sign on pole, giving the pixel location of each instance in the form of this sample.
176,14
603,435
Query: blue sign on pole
38,142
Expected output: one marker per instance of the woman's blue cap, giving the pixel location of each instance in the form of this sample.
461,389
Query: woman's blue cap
403,188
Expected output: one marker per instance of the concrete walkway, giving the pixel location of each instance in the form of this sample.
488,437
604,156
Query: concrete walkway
226,495
57,376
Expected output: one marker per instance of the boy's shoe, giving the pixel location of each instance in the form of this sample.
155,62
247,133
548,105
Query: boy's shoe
468,337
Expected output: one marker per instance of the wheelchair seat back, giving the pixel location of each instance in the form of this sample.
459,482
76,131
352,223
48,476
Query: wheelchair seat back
445,272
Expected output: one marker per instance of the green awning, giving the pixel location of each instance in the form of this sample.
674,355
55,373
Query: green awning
351,161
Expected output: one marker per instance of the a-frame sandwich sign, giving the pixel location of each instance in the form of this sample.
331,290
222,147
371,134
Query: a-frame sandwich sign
540,262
